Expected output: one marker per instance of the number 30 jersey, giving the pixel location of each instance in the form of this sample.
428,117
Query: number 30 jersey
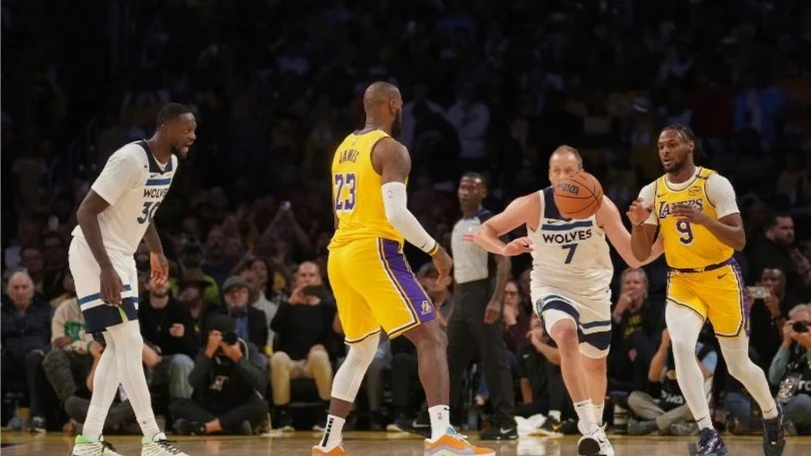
569,255
357,197
134,184
687,245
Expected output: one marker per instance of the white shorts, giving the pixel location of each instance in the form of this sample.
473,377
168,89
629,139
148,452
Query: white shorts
591,315
99,316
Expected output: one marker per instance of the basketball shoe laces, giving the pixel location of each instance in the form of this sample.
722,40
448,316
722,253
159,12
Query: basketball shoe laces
167,446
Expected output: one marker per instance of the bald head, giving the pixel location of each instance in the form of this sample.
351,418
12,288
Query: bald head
383,106
308,273
21,289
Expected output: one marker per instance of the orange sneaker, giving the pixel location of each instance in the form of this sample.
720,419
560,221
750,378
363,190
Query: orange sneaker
452,445
337,451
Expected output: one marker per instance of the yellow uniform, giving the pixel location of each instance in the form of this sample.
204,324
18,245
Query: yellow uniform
373,284
702,275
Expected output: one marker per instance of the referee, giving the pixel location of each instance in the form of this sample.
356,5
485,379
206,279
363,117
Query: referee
475,324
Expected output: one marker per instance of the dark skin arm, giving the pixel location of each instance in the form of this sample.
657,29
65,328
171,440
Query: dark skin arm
88,218
728,229
157,260
503,269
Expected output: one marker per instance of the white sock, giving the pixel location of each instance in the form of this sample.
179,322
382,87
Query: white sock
555,414
333,432
585,414
740,366
598,413
129,353
440,420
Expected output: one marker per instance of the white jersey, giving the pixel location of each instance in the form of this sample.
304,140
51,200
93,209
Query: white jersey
134,184
569,255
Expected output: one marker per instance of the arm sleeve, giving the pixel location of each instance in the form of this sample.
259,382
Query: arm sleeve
119,174
648,194
721,195
395,201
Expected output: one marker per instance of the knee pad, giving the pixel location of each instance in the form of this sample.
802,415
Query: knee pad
347,380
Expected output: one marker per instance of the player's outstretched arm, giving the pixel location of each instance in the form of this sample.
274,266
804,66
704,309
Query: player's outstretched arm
519,212
609,219
391,160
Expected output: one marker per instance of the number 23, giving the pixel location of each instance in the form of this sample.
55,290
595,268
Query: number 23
345,204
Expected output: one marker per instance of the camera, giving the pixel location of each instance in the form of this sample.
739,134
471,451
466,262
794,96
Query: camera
191,253
799,326
760,292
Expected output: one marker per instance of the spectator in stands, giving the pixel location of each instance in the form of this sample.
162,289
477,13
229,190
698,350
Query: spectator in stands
516,319
192,257
216,265
229,381
791,370
26,336
771,303
636,323
471,117
303,325
669,413
55,256
191,296
774,250
250,322
258,299
32,260
69,361
167,326
542,389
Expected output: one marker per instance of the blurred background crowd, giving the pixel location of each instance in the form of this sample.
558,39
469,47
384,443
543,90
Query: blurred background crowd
488,86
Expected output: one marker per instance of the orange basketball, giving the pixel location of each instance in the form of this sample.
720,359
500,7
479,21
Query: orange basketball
579,196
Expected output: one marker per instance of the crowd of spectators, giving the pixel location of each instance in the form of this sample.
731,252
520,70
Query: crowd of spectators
488,86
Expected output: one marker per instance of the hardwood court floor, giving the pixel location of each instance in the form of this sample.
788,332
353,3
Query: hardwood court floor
368,444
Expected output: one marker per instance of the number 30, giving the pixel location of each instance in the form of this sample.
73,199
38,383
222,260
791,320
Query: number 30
683,227
148,212
345,204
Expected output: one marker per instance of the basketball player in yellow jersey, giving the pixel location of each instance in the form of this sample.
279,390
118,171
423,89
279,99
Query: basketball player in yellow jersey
693,209
373,285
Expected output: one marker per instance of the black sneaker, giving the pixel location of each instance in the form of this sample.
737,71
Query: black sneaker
420,425
551,427
284,422
774,436
183,426
710,443
501,432
37,424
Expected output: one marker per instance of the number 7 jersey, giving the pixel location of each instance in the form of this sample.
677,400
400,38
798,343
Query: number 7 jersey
134,184
357,197
687,245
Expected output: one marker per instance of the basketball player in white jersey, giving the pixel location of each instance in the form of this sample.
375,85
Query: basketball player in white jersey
570,281
113,218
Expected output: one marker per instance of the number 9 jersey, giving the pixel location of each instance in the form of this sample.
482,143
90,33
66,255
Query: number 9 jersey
702,276
356,192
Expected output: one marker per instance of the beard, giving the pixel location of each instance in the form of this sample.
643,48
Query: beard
177,151
676,166
396,126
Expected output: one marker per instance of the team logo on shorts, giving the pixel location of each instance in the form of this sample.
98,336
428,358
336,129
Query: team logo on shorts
426,308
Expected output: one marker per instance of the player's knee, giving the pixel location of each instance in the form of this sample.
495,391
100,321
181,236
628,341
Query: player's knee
564,333
593,365
682,348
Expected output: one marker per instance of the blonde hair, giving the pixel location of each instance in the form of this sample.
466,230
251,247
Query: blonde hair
566,149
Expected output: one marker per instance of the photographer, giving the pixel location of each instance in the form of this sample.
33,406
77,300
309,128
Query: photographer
791,369
228,382
771,303
191,258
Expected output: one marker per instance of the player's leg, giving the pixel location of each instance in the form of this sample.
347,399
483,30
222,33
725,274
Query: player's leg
362,333
595,342
729,315
105,388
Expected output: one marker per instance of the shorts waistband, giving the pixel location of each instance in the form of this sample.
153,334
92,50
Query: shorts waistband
711,267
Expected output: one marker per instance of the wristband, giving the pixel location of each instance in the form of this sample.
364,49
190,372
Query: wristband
434,250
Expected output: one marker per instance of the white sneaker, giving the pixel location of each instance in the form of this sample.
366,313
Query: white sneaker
159,446
594,442
83,446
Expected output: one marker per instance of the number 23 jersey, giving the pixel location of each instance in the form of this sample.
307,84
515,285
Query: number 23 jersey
134,184
686,245
357,196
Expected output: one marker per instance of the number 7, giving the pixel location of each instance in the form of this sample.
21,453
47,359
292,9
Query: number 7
571,248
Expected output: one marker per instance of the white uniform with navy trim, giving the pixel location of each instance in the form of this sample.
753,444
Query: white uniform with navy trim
134,185
571,275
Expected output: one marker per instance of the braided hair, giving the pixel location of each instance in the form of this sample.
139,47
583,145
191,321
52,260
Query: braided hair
687,134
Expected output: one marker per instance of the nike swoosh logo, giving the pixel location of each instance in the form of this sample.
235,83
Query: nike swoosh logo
722,275
415,424
153,174
505,431
659,196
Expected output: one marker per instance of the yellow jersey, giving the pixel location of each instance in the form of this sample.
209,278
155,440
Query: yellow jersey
686,245
356,192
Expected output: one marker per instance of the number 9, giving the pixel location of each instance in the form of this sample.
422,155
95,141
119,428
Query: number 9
683,227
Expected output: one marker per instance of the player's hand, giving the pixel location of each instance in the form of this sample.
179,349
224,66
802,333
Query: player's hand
517,247
492,312
214,341
160,268
443,263
232,351
638,212
177,330
687,213
111,287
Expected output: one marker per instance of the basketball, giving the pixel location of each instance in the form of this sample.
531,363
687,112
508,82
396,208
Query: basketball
579,196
